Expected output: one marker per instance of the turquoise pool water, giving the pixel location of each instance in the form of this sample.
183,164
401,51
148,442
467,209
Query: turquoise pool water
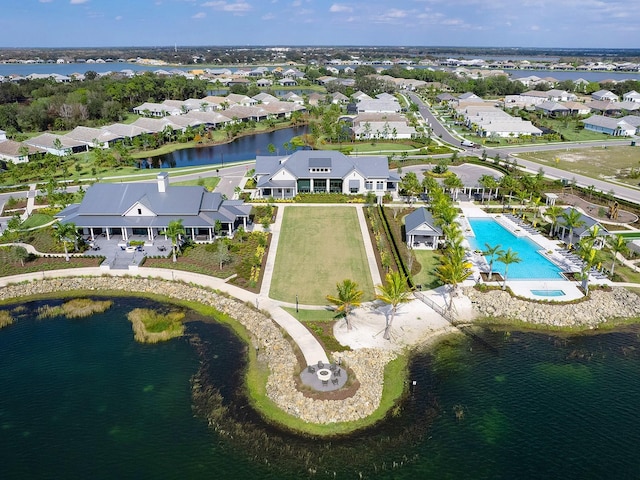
548,293
533,266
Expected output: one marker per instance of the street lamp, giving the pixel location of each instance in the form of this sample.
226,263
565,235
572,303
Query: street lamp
296,303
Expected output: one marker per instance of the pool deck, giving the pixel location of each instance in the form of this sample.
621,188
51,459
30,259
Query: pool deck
553,251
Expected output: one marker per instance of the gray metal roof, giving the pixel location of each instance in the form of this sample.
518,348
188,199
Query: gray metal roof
105,205
419,222
299,163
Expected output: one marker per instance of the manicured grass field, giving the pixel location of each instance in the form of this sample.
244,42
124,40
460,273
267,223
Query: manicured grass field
318,248
601,163
429,260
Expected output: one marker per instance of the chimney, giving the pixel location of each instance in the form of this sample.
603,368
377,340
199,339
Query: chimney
163,182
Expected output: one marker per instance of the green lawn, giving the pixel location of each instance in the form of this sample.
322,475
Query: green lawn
318,248
428,260
602,163
36,220
208,182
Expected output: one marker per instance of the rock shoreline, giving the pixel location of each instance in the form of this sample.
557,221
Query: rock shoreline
367,364
601,307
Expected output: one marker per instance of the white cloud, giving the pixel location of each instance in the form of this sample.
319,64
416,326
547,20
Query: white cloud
296,3
337,8
78,2
46,1
237,7
118,18
199,15
268,16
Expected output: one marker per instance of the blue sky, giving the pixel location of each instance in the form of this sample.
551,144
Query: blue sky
518,23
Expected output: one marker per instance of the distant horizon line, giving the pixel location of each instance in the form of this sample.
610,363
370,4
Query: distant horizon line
278,45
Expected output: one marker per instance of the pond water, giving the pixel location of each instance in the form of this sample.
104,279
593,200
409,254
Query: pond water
81,399
241,149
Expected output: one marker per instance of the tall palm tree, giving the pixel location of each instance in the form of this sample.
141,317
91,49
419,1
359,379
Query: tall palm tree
553,213
393,292
492,253
349,297
454,184
452,271
617,245
66,233
587,253
572,219
507,258
174,231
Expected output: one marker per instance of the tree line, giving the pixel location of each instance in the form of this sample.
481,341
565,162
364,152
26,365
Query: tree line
42,104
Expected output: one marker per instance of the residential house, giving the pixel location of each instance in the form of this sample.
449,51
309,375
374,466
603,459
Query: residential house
552,109
151,109
577,108
58,145
382,125
421,230
617,127
605,107
264,97
604,95
287,82
16,152
589,226
264,82
631,96
234,98
126,211
308,171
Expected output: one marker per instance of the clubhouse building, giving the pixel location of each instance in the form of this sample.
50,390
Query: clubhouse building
142,211
322,171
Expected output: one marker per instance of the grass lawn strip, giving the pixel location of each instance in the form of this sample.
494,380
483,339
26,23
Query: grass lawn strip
599,163
318,248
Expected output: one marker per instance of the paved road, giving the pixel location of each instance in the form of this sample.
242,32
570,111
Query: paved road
621,191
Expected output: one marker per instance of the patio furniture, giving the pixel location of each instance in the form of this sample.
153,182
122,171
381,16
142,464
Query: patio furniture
311,369
334,381
320,364
325,383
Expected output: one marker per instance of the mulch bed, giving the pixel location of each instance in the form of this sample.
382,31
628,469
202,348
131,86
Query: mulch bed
594,210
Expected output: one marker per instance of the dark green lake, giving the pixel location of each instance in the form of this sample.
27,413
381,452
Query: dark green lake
82,399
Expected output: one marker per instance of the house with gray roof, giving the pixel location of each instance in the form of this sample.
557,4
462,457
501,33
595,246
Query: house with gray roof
59,145
552,109
617,127
320,171
631,96
16,152
421,230
604,95
142,211
588,227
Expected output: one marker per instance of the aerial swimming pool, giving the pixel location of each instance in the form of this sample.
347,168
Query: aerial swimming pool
534,265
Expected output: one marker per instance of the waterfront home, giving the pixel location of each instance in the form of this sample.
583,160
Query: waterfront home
59,145
142,211
421,230
319,171
604,95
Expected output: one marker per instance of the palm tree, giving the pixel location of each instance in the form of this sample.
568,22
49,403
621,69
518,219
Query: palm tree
588,255
453,183
553,213
393,292
508,257
536,203
572,219
452,271
349,297
489,182
617,245
491,253
65,233
174,231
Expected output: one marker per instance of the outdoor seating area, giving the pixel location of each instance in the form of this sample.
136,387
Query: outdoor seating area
522,224
324,377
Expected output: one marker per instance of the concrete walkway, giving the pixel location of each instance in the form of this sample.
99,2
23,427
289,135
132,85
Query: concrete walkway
368,247
310,347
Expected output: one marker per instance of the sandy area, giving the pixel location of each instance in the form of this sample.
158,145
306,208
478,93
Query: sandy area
414,324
